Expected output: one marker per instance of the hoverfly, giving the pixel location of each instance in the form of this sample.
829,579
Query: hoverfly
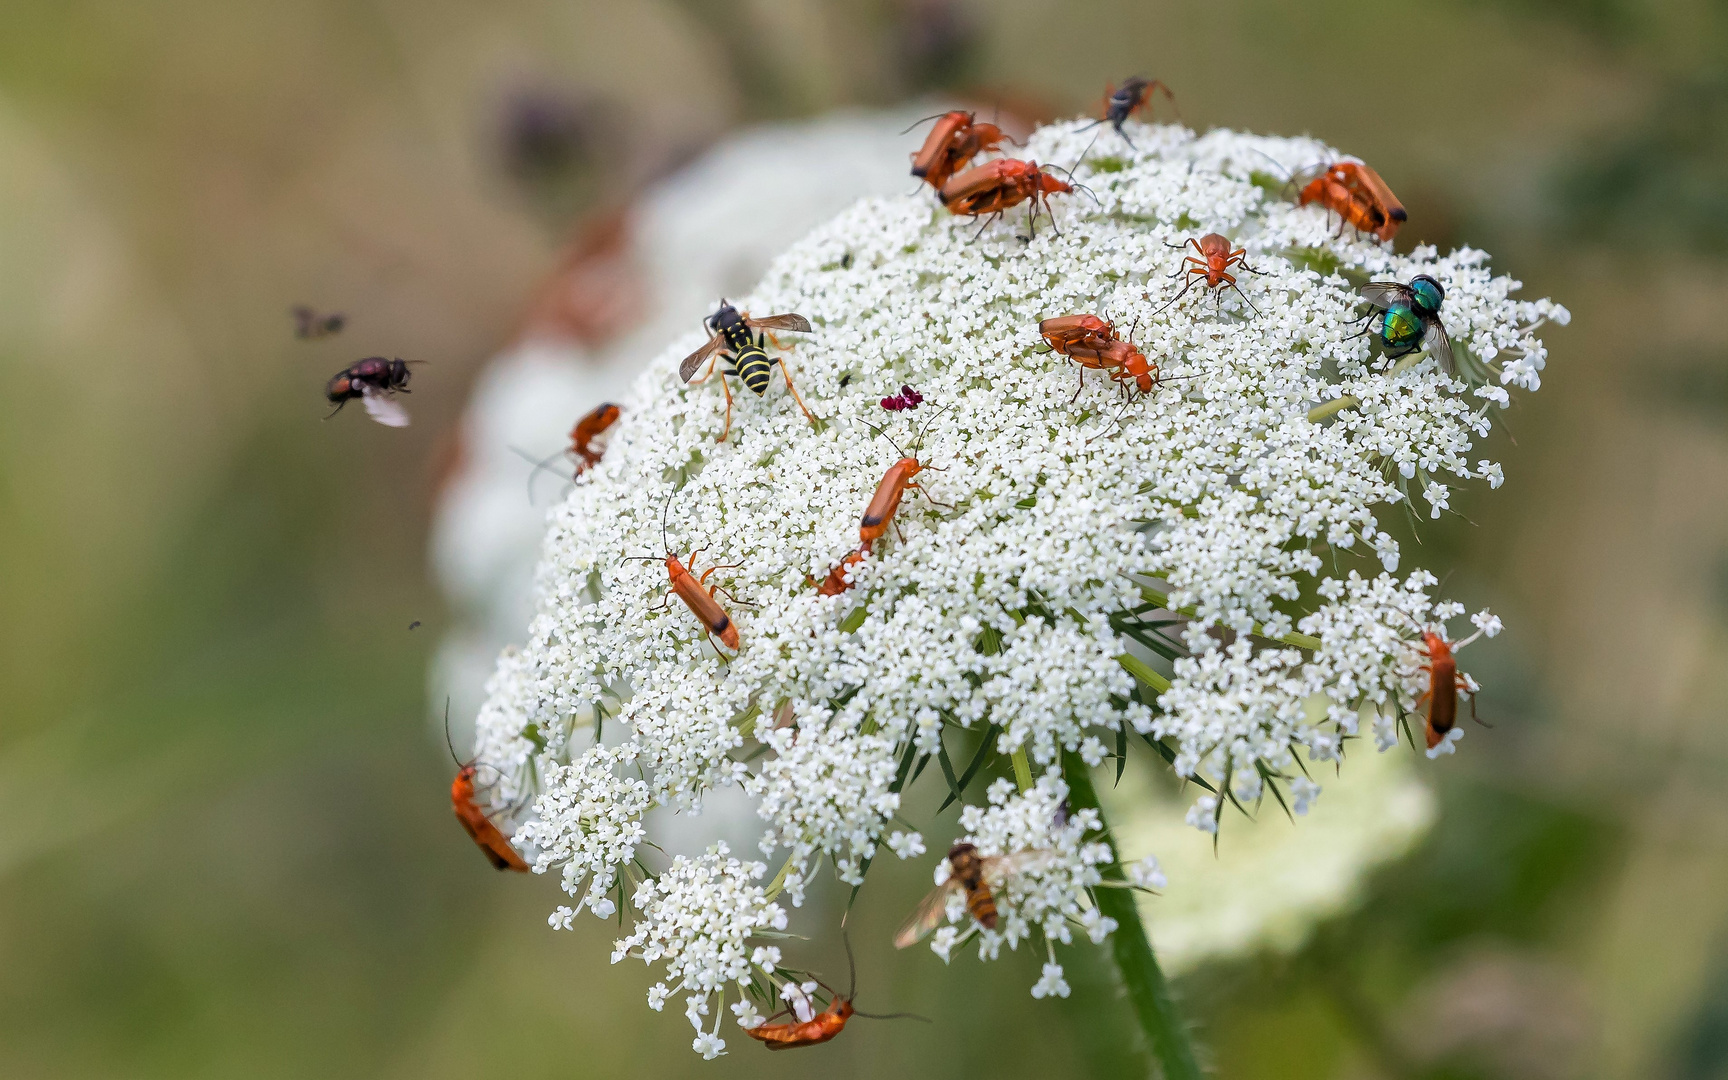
731,330
375,381
1409,318
974,875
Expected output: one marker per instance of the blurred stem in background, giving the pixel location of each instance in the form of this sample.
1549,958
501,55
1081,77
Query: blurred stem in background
1148,992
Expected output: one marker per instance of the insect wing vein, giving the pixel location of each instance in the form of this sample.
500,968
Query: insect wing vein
1383,294
925,916
694,360
791,322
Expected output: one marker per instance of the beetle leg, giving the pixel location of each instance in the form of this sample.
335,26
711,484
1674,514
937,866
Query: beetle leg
1473,715
1231,281
926,494
1178,296
735,601
703,580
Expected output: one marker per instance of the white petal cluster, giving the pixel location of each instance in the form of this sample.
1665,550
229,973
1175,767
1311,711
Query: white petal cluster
698,918
1243,494
589,822
825,790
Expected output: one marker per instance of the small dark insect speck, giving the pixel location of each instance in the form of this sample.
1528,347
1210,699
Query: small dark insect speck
309,324
844,379
413,624
846,261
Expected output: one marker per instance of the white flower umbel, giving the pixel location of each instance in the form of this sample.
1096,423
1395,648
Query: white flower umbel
698,918
1193,565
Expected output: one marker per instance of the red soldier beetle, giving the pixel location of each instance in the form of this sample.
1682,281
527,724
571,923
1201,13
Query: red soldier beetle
590,427
1091,342
885,503
1357,194
488,836
1212,266
825,1024
995,186
697,595
1069,331
836,583
1444,684
953,142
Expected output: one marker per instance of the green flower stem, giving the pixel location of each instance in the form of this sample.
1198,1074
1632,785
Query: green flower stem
1331,408
1301,641
1148,993
1022,770
1338,405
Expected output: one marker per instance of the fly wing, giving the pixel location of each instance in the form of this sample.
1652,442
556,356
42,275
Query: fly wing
925,916
383,408
782,322
1383,294
1439,346
694,360
1001,867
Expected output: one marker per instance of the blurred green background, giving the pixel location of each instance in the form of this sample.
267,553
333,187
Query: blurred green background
225,838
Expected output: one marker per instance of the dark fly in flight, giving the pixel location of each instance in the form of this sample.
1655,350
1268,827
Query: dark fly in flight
376,382
309,324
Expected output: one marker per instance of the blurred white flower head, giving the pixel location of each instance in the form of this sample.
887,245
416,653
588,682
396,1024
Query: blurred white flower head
1198,567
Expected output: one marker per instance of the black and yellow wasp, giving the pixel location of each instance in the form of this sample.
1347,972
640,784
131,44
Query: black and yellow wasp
749,361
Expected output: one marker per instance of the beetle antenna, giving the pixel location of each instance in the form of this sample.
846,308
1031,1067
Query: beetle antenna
851,961
665,506
996,122
885,435
915,123
447,740
891,1016
1279,165
925,427
542,463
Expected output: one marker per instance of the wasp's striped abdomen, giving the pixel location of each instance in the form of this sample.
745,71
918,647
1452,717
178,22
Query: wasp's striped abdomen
754,367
